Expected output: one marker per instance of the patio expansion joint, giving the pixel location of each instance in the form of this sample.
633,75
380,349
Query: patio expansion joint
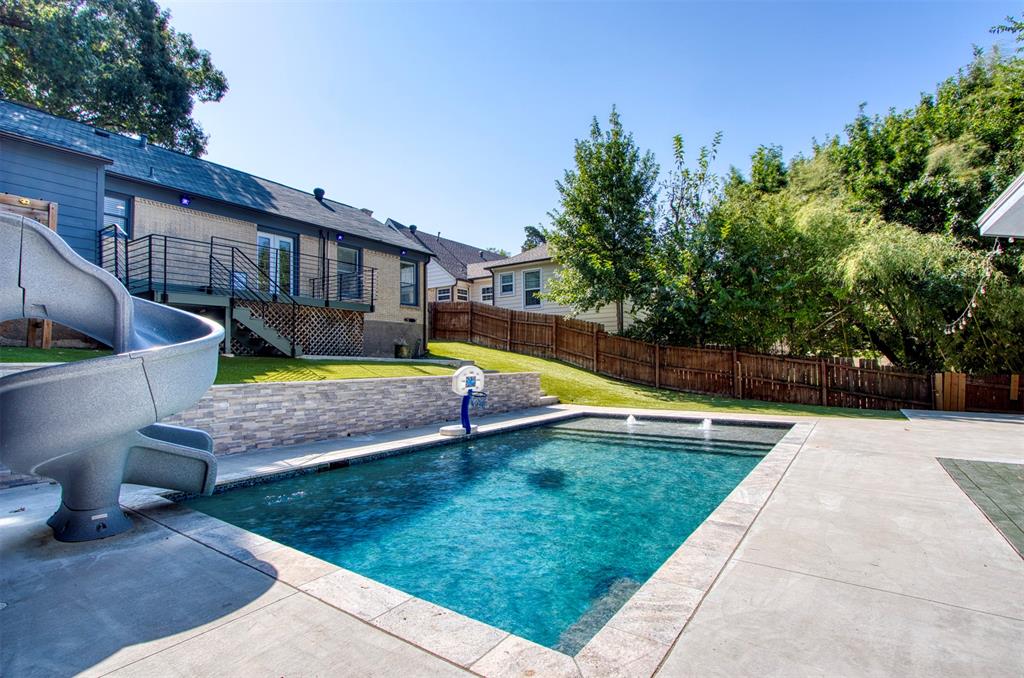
878,590
805,436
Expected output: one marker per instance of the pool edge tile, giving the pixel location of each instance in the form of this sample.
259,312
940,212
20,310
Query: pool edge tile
355,594
515,657
446,633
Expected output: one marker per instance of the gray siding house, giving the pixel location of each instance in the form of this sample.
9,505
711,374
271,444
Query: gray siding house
286,271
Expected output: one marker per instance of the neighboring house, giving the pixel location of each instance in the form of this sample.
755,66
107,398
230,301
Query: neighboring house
282,269
1005,217
519,282
448,273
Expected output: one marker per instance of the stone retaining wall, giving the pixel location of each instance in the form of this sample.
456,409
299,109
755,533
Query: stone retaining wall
243,417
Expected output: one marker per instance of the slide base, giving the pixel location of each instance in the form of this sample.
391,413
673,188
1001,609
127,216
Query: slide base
73,525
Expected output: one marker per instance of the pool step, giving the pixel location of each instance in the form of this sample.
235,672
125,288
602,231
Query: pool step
652,443
690,436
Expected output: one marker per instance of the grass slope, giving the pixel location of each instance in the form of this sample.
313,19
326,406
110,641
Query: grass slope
576,386
245,370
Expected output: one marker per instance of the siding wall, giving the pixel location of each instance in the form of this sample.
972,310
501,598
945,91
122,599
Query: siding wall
437,276
604,315
73,182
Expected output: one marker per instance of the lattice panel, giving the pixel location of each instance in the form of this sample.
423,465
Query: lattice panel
319,330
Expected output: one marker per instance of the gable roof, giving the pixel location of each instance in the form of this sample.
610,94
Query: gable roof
1005,216
132,159
453,256
538,253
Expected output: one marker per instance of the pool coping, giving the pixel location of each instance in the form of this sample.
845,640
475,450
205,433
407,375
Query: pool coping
634,642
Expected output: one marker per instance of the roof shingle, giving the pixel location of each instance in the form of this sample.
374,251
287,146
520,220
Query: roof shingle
155,165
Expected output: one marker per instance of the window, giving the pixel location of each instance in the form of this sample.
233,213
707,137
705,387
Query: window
115,212
531,288
350,273
487,293
444,294
409,289
462,294
507,283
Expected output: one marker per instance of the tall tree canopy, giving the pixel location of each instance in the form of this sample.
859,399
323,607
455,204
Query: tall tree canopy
117,64
869,246
604,229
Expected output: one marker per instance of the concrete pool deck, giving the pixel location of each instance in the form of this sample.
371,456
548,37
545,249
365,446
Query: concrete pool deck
865,559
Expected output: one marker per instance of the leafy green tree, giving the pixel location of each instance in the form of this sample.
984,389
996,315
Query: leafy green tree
117,64
680,305
535,236
603,232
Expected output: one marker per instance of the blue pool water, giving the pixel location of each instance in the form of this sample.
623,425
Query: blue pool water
543,532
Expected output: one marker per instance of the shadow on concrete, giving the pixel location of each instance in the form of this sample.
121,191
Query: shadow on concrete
101,605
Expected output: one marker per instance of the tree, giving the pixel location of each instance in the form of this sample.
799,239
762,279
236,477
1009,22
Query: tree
603,232
117,64
535,236
500,250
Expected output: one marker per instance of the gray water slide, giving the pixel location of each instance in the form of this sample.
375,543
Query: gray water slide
91,425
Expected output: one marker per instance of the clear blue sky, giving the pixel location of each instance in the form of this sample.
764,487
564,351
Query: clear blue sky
460,117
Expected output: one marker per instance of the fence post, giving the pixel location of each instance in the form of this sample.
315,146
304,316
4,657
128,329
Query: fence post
596,349
737,386
822,376
657,365
554,336
469,336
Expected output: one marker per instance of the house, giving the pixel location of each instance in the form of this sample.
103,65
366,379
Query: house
285,270
448,276
1005,217
520,281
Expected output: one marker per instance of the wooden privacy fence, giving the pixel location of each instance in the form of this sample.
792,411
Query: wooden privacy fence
835,382
45,213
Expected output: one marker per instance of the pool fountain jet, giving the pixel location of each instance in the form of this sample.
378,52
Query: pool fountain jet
705,425
630,422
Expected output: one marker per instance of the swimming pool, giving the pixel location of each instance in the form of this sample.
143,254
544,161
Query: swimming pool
543,532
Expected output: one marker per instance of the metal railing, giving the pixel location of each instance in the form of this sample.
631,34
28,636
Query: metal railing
112,251
310,276
158,265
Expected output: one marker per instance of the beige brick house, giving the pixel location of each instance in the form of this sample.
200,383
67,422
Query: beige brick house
285,270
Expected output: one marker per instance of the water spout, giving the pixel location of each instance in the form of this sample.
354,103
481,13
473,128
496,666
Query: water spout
630,421
705,425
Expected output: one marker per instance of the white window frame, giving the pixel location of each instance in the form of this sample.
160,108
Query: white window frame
501,284
487,293
540,286
446,291
461,294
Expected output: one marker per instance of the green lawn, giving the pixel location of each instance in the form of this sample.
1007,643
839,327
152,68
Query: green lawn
576,386
244,370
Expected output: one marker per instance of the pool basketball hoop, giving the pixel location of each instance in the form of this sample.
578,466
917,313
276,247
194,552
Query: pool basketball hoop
468,382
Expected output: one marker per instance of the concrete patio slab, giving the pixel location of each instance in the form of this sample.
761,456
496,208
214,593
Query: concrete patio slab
763,621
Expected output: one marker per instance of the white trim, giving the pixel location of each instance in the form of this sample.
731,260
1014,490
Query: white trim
447,290
501,291
459,292
538,289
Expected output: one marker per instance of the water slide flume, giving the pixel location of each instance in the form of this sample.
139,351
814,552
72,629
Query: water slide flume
92,425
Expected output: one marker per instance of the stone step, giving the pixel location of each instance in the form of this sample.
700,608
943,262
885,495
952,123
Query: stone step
547,400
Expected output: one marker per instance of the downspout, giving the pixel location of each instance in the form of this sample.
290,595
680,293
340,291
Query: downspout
423,303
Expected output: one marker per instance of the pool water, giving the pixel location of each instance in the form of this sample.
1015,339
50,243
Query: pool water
544,532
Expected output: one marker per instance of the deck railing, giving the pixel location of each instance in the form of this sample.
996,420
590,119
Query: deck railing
163,264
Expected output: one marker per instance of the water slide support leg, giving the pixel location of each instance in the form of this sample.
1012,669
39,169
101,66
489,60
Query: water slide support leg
90,491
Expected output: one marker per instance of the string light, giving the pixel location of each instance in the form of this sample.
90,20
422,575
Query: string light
979,291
